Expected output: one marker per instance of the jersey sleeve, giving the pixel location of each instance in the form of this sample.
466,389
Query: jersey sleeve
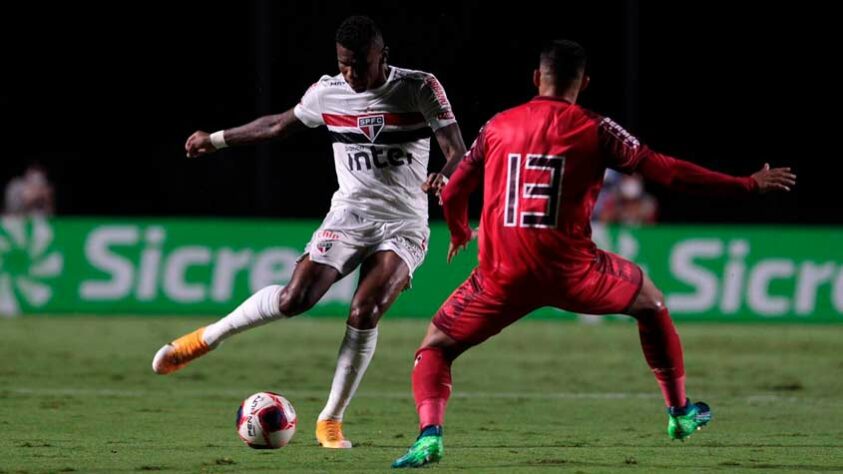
434,105
465,179
621,150
309,109
625,153
684,176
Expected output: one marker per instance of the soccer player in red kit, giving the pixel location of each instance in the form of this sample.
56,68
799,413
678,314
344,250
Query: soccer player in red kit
542,166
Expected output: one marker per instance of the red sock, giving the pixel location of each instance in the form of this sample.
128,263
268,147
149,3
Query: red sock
663,352
431,385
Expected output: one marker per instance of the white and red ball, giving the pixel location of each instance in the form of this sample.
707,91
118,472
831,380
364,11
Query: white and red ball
266,420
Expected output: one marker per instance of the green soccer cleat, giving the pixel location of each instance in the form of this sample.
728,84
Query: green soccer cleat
427,449
682,422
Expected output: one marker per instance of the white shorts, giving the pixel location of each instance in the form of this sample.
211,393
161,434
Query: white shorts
345,239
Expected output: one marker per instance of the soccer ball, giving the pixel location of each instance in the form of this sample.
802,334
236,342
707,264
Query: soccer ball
266,420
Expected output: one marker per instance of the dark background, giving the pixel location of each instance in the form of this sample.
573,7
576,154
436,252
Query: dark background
104,96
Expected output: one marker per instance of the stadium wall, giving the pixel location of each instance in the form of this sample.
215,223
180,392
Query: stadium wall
207,266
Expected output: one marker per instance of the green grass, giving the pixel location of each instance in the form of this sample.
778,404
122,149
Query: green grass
77,394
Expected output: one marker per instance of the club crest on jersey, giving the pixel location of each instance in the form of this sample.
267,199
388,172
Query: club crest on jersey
371,126
323,247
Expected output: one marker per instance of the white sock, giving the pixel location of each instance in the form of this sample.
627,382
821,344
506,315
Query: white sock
356,351
258,309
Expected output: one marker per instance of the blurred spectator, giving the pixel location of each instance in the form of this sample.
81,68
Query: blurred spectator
30,194
611,178
627,203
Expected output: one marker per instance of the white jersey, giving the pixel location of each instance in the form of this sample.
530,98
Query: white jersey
381,140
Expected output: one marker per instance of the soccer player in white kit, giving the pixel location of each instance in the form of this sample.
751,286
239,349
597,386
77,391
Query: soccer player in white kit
379,118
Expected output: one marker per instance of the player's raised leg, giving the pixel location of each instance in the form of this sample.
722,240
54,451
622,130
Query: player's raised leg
309,283
383,276
663,351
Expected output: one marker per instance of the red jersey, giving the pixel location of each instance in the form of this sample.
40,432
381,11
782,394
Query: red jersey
542,165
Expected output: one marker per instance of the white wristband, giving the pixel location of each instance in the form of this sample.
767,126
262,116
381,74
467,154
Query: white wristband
218,140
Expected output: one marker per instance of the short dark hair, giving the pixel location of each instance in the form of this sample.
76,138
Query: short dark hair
564,58
358,33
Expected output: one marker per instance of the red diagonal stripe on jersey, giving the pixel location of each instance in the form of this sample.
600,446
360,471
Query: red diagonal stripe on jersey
402,119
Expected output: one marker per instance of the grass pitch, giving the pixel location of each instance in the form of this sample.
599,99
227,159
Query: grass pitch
77,395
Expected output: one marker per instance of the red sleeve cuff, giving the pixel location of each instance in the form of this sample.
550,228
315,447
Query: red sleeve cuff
460,235
751,184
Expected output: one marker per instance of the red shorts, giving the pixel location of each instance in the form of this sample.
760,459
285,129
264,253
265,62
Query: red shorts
481,308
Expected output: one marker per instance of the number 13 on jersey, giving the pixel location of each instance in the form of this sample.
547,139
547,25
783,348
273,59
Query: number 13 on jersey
549,190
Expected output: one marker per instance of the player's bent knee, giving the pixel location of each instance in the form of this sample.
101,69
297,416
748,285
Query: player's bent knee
292,302
364,314
649,302
437,339
657,301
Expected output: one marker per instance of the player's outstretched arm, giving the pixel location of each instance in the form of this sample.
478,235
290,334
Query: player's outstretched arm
688,177
268,127
453,147
625,153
